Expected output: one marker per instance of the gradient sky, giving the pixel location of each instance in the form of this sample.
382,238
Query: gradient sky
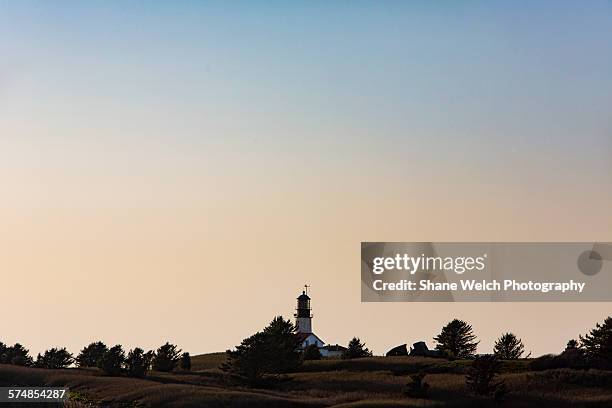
179,171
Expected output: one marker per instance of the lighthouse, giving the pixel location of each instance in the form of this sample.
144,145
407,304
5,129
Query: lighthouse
303,322
303,329
303,315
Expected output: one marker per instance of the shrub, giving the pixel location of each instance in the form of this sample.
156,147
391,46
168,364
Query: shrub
480,377
561,378
417,388
572,357
185,361
312,353
91,354
54,358
166,358
356,349
135,363
457,340
112,361
508,347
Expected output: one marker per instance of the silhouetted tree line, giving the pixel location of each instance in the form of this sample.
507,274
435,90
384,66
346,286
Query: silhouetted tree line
112,361
275,351
136,363
594,350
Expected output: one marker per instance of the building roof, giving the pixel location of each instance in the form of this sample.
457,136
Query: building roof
334,347
303,336
303,296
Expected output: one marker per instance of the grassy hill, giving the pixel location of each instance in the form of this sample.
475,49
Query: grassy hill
207,361
368,382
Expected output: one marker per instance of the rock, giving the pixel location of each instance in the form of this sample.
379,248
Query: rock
398,351
420,349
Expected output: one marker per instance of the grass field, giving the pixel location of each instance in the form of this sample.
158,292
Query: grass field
368,382
207,361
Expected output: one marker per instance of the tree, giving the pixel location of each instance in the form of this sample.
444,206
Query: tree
597,343
356,349
3,349
272,351
91,354
249,359
572,345
508,347
17,355
481,375
135,363
282,346
148,359
54,358
112,361
312,352
457,340
185,362
166,358
573,356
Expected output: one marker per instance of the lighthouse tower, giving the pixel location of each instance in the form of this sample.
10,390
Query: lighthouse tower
303,327
303,316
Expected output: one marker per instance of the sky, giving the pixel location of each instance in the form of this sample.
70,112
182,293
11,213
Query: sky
177,172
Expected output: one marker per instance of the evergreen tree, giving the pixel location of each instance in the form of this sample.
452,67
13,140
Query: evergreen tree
135,363
282,346
508,347
17,355
54,358
573,356
572,345
148,359
166,358
91,354
248,360
272,351
3,349
597,344
112,361
185,362
356,349
457,340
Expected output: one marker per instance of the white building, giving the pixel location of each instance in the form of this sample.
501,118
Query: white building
332,350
